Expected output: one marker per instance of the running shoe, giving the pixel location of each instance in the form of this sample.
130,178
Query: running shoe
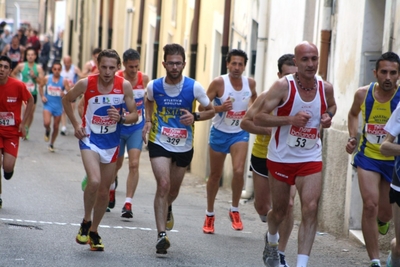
389,260
236,221
116,182
51,148
162,243
83,235
170,219
27,132
263,218
46,136
84,183
270,254
127,211
111,202
95,242
1,202
375,264
383,228
282,261
208,227
63,131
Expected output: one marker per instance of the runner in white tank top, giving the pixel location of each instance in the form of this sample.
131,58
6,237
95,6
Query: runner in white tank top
296,107
232,93
229,121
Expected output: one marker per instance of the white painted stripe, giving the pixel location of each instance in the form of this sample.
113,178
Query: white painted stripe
78,224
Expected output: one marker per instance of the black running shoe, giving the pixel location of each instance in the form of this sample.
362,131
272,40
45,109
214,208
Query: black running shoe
1,202
127,211
162,243
95,242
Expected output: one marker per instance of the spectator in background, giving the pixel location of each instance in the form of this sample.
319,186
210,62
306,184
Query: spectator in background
45,53
2,25
22,37
34,42
6,37
57,47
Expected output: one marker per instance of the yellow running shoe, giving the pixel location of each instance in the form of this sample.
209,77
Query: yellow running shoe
83,235
383,228
170,219
95,242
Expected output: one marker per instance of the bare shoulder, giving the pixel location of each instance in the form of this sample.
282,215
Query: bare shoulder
145,78
218,81
82,83
328,86
362,91
252,82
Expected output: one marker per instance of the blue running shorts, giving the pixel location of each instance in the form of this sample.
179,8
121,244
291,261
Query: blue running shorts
222,142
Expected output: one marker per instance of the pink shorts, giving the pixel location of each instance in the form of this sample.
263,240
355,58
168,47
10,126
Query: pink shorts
287,172
9,145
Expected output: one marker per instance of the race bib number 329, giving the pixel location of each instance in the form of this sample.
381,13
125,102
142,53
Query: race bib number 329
173,136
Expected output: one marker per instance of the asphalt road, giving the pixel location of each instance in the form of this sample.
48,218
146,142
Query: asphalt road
43,206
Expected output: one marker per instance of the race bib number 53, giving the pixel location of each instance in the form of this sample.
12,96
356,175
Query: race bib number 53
173,136
302,137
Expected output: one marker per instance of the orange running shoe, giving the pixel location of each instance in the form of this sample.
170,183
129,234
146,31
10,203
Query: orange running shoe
208,227
236,221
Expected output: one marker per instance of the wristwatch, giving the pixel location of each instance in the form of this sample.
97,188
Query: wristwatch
122,120
196,116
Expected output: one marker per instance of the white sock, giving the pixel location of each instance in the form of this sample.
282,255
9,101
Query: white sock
273,239
128,200
112,186
302,260
209,213
234,209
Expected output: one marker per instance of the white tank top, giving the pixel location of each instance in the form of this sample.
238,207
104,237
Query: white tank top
229,121
290,144
69,75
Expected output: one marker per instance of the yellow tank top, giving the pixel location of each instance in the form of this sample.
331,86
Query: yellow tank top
375,115
260,146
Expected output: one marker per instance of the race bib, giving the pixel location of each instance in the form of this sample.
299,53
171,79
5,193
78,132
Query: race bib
375,133
54,91
31,86
233,118
7,119
70,83
302,137
173,136
102,125
140,117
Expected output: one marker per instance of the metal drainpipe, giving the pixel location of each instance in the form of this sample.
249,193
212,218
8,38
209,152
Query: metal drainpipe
194,44
262,41
140,28
325,39
156,41
225,35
